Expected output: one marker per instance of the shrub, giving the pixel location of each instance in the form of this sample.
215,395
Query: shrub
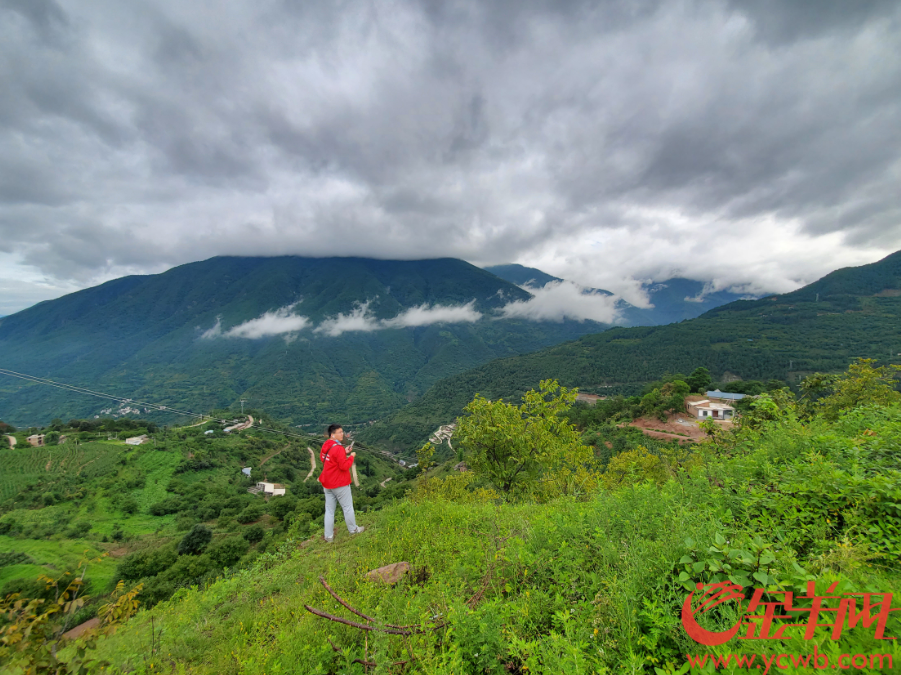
195,541
251,513
228,551
145,563
254,533
129,505
517,447
283,507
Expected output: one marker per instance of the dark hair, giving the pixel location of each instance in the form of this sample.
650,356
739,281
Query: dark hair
332,428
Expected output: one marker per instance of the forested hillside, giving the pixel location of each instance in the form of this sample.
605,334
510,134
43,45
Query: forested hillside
854,312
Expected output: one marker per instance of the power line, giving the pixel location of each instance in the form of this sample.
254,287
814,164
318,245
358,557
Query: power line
90,392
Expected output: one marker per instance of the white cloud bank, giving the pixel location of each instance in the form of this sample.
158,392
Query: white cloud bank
279,322
423,315
561,300
284,321
361,319
358,320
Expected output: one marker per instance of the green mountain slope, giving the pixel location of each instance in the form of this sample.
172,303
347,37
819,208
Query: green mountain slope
142,337
857,314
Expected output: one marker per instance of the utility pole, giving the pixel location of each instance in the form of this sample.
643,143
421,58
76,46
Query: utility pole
242,406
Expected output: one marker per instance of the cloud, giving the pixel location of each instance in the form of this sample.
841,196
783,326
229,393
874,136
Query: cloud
359,319
424,315
559,300
600,144
278,322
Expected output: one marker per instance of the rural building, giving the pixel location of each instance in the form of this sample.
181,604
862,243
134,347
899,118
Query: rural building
272,489
137,440
590,399
36,441
724,395
707,409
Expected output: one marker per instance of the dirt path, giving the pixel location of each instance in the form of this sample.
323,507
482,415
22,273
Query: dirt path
274,454
12,442
84,465
384,481
49,462
240,427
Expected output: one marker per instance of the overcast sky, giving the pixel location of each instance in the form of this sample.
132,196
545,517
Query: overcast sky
753,143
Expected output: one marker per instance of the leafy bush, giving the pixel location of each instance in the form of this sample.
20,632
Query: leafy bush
195,541
526,450
228,551
251,513
145,563
254,534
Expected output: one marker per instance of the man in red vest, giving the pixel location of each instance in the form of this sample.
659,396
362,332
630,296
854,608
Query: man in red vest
335,479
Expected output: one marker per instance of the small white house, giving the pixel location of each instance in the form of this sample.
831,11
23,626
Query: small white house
271,489
137,440
706,409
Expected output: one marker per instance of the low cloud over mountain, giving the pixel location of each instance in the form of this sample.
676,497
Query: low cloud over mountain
560,300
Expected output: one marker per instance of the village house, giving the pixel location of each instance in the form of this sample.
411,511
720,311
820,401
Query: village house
137,440
707,409
36,441
271,489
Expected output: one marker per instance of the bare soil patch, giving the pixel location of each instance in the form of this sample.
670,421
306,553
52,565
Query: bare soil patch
81,629
680,427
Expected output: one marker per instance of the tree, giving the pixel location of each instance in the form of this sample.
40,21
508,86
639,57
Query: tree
195,541
529,449
699,379
861,384
254,533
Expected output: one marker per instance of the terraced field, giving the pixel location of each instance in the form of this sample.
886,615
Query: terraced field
50,556
26,466
159,467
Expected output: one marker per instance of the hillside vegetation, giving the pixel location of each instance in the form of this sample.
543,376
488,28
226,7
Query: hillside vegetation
132,506
802,492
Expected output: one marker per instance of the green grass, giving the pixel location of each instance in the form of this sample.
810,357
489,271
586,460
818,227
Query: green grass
160,467
57,556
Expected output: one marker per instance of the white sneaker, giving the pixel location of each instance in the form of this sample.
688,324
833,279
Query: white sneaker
328,540
359,529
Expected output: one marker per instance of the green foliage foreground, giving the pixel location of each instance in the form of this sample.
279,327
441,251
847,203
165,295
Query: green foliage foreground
567,586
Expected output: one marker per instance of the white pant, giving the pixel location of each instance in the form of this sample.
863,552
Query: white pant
342,496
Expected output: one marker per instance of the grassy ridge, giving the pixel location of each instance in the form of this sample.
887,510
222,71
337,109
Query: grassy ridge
576,587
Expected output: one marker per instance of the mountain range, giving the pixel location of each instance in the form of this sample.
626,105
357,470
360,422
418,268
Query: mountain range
311,340
308,339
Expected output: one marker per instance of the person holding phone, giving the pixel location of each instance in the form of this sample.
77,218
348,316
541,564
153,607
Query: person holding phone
335,480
